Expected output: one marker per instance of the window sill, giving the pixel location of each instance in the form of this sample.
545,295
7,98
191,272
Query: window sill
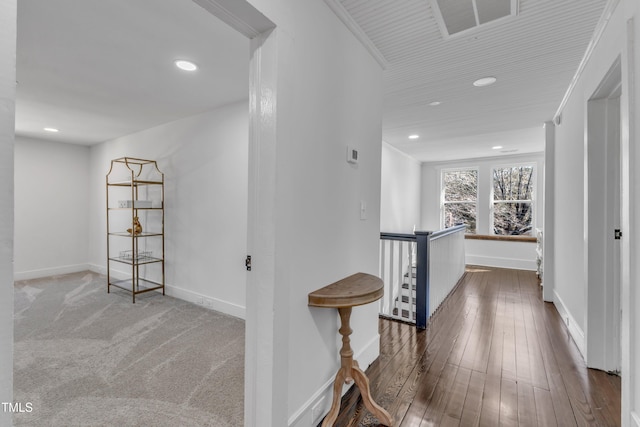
530,239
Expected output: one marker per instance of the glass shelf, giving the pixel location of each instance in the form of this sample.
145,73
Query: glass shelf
139,261
135,182
135,187
141,285
136,209
143,234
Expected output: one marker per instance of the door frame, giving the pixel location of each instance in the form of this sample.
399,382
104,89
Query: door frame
602,215
264,401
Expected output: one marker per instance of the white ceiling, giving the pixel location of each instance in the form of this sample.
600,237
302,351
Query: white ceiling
101,69
98,69
534,56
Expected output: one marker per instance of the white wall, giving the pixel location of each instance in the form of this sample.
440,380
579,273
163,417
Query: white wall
501,254
631,219
569,210
621,38
518,255
321,237
320,91
570,275
7,124
204,159
400,195
51,201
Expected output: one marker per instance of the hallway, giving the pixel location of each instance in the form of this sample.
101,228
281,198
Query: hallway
493,354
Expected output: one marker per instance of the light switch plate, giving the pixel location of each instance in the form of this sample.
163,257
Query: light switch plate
352,155
363,210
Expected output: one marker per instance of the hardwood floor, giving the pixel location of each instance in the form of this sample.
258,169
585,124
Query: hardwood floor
494,354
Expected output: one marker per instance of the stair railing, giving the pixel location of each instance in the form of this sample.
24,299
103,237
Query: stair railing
419,270
397,270
446,263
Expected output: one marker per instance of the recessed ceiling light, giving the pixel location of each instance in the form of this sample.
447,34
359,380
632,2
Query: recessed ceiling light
497,147
435,103
186,65
414,136
52,130
485,81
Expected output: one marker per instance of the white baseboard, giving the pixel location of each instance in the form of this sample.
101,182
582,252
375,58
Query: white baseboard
369,352
97,269
207,301
576,332
635,417
297,420
45,272
186,295
302,417
510,263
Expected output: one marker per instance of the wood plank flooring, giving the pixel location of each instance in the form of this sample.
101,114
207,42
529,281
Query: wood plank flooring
493,355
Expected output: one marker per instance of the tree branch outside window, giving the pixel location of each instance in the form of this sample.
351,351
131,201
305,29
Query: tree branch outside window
512,200
459,198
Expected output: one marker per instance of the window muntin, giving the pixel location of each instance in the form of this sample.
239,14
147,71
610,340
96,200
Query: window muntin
512,204
460,198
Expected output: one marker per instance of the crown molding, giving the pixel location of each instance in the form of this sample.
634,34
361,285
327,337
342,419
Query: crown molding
240,15
357,31
609,8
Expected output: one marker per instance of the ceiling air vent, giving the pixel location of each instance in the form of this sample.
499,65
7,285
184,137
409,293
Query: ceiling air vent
458,16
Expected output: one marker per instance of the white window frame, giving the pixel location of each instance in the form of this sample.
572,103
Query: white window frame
443,202
532,201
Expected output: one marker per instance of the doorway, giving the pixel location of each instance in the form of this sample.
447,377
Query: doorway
184,216
602,232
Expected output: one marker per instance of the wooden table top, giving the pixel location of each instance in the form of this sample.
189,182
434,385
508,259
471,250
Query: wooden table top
357,289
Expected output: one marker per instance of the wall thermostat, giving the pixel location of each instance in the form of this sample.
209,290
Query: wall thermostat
352,155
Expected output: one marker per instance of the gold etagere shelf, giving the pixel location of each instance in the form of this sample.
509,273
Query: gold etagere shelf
136,241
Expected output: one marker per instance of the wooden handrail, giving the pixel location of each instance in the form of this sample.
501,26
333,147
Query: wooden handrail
398,236
500,238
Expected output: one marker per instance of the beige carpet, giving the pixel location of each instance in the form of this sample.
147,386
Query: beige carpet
87,358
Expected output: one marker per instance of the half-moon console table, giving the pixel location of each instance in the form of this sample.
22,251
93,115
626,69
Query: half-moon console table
357,289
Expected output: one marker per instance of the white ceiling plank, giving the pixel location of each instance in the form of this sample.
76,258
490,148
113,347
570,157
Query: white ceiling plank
534,54
355,29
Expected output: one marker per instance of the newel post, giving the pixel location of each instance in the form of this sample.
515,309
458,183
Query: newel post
422,278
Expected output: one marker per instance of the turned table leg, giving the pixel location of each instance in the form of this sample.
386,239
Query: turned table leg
350,371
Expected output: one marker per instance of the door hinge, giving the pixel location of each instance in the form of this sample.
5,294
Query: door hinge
617,234
247,262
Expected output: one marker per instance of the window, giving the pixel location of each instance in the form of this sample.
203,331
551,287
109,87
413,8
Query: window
459,198
512,204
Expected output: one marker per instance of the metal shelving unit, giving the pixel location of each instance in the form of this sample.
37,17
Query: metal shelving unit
135,198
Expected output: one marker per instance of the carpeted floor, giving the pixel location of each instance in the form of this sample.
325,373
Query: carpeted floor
87,358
